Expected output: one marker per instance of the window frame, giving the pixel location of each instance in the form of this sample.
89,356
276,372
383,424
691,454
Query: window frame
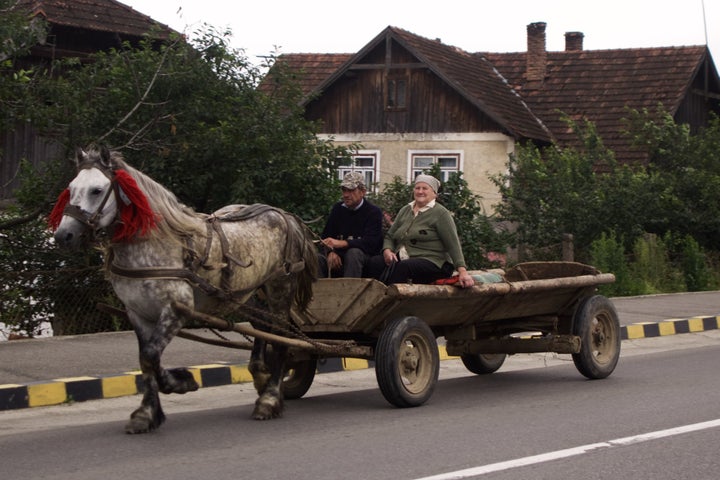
413,172
373,180
396,92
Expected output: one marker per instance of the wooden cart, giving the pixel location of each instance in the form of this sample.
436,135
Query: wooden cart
535,307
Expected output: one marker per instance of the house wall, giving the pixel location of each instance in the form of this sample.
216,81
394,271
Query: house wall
482,155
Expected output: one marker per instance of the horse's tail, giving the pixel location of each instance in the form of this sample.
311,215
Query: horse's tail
309,274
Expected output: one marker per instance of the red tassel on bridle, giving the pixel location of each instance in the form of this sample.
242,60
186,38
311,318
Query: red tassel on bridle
56,215
136,215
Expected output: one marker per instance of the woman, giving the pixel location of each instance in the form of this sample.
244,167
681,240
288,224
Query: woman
422,245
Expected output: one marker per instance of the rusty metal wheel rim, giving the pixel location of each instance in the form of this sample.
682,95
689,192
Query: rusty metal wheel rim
415,363
603,335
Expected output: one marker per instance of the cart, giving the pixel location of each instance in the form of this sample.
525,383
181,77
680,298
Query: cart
534,307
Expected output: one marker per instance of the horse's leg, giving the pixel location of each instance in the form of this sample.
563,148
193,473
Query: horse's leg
279,296
152,341
270,402
257,366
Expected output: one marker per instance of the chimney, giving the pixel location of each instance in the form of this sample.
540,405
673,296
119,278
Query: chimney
574,41
536,52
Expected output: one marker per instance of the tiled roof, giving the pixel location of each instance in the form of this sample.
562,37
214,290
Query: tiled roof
600,85
99,15
595,85
313,69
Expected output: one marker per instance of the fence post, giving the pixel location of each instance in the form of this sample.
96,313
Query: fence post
568,250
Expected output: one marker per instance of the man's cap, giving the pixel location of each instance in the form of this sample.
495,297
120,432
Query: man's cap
353,180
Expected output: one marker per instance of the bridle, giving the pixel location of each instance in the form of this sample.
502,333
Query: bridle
90,220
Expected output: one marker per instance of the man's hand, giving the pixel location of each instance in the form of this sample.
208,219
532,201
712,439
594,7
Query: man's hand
333,243
334,261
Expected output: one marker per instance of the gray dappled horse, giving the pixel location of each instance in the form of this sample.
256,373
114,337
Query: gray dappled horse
160,252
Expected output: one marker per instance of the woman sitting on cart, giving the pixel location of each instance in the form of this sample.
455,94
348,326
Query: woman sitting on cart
422,246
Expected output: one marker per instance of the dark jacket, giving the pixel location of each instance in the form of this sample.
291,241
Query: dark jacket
362,228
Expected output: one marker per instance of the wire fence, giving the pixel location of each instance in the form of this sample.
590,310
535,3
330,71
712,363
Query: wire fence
58,302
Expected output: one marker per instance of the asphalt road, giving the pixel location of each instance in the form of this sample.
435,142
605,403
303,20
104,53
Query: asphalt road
518,422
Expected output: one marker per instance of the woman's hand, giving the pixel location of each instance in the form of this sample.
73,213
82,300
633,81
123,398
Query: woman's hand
389,257
464,278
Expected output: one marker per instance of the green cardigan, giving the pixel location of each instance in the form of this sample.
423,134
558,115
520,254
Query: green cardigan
431,235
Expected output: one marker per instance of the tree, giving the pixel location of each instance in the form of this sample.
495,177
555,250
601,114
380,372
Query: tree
685,169
552,192
188,114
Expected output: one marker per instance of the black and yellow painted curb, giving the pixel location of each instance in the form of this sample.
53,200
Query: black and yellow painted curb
80,389
669,327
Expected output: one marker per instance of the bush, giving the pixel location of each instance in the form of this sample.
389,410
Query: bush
651,268
608,255
694,266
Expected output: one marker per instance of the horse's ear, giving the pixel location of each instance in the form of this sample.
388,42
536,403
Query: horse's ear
105,156
81,156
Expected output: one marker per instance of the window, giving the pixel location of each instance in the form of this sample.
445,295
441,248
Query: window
363,162
396,93
449,163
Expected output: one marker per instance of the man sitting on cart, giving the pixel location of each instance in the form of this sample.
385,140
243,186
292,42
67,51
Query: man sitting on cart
353,232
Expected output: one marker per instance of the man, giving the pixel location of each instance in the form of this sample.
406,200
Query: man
353,232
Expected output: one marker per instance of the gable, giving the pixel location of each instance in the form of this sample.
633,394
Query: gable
445,90
390,90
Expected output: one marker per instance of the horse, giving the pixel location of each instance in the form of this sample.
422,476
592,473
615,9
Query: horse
160,253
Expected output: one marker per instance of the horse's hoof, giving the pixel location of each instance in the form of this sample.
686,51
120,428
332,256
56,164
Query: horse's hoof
260,375
177,380
142,421
267,407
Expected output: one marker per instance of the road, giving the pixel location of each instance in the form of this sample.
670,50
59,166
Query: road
535,418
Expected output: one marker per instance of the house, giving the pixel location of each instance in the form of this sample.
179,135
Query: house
412,101
78,28
75,28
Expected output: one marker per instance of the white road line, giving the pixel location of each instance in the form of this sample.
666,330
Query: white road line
571,452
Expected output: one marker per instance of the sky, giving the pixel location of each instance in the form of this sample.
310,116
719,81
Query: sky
261,27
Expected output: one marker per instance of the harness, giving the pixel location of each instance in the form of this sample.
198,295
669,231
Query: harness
194,263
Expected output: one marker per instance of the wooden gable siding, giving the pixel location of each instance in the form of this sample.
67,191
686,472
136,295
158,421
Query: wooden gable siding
699,101
356,102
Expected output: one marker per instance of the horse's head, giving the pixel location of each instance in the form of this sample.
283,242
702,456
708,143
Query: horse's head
100,196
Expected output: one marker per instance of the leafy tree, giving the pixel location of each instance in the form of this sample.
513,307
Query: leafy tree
552,192
188,114
685,168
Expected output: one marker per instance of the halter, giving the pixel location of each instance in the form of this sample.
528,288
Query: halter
90,219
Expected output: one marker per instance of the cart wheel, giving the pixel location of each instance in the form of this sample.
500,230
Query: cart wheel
596,323
482,364
407,362
298,378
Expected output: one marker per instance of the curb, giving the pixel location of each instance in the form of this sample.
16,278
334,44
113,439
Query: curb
669,327
80,389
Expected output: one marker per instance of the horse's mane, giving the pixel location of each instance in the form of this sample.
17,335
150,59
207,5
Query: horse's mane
175,219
